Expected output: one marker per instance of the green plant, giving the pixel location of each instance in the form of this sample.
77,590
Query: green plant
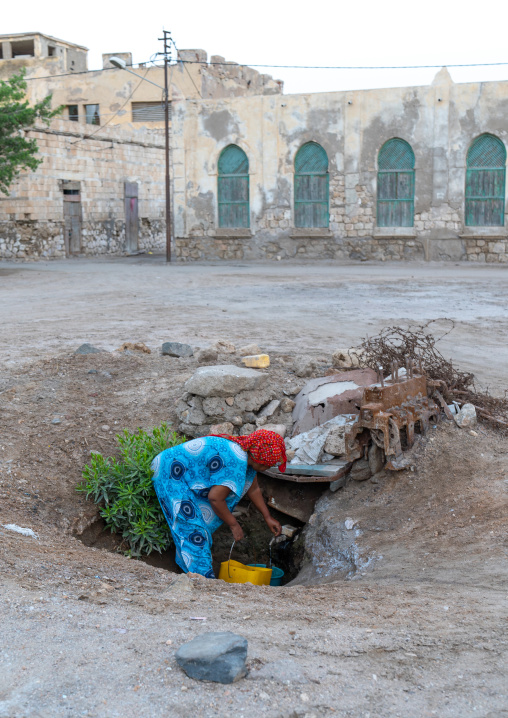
124,490
18,152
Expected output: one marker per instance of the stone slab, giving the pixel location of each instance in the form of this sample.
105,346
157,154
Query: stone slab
224,380
175,349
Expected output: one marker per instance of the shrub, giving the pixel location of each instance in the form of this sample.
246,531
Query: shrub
123,488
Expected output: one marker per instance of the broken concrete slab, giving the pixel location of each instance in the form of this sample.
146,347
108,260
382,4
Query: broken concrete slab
326,397
270,409
310,445
175,349
224,380
217,656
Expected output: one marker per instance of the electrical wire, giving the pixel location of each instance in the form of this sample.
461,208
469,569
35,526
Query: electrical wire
284,67
87,137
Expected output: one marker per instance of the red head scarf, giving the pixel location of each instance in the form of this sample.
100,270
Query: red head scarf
265,447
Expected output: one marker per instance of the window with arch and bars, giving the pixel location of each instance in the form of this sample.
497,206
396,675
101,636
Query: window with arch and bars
485,182
311,186
233,188
395,184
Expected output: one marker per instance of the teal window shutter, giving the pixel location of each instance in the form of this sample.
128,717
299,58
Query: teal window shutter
233,188
311,186
485,182
395,184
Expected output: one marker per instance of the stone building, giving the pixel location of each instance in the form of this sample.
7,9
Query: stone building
403,173
100,188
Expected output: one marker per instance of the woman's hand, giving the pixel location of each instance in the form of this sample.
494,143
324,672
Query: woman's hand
273,525
237,532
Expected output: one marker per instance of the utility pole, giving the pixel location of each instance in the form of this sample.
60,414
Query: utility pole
166,39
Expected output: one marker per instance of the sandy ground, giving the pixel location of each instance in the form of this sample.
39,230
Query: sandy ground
420,631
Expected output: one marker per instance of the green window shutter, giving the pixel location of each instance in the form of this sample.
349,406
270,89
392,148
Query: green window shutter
233,188
395,184
485,182
311,186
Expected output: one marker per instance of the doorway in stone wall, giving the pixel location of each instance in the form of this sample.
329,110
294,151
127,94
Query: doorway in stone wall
131,217
73,217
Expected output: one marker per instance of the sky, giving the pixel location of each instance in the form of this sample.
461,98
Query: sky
289,32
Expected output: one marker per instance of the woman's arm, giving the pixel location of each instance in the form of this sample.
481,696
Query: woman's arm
255,495
217,497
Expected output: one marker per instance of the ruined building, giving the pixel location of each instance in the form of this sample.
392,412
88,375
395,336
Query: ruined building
100,188
401,173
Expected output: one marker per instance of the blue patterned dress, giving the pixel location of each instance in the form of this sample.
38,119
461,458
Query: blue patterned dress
182,478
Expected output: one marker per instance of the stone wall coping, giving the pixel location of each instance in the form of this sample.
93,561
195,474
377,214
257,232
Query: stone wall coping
309,232
226,233
395,232
484,233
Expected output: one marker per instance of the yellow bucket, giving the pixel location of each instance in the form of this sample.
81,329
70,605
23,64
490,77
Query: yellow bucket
236,572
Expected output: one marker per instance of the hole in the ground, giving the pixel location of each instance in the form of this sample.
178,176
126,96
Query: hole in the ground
254,548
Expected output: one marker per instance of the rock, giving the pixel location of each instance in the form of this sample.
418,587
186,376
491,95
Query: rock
303,367
230,400
249,350
135,347
376,458
466,417
93,371
349,524
224,347
257,361
287,405
224,380
285,671
181,585
338,484
345,358
335,443
247,429
88,349
56,420
322,399
290,454
175,349
270,409
105,427
279,429
237,421
225,428
216,656
207,356
360,471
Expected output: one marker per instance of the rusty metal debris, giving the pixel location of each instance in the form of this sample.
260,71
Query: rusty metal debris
392,411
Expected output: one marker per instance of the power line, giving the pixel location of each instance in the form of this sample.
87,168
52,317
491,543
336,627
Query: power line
349,67
284,67
116,113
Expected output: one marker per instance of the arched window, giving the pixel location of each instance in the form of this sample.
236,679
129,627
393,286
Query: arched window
485,180
395,184
233,188
311,186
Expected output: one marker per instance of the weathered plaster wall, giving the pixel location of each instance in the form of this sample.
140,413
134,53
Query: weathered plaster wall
32,217
439,121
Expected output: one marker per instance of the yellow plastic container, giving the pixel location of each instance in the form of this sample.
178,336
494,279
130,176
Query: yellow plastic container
236,572
257,361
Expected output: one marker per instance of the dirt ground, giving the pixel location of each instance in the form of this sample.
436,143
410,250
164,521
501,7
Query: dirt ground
420,630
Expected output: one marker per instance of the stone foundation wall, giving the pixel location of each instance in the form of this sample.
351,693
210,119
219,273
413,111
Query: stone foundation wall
32,216
491,251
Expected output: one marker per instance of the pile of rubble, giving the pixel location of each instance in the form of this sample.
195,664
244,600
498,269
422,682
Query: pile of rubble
356,416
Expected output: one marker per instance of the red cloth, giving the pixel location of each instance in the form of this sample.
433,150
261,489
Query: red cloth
265,447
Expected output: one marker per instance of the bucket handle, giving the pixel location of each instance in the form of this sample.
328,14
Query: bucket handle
229,559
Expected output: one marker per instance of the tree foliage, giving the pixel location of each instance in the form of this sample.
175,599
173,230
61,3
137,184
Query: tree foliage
18,152
124,490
